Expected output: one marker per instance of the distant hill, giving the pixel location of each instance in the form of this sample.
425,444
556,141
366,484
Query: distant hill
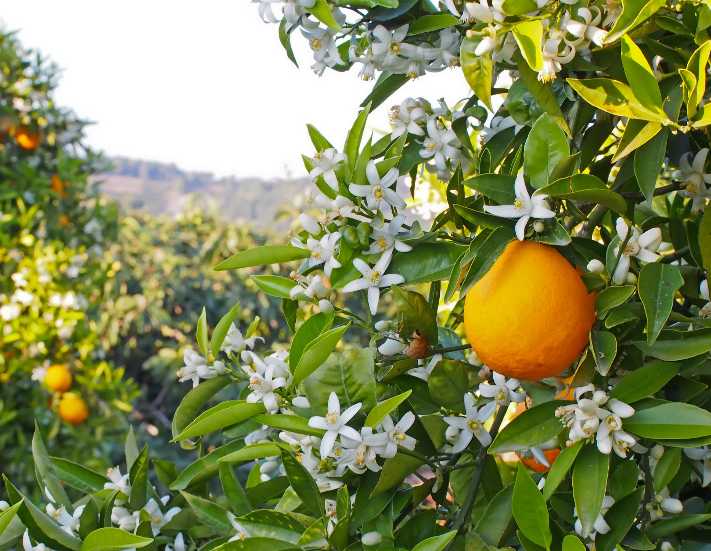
162,188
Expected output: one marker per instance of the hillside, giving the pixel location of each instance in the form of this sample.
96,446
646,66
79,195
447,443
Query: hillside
162,188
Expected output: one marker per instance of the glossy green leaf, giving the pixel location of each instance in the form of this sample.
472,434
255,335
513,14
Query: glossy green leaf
224,414
138,476
697,66
586,188
529,37
426,262
644,381
546,147
542,92
448,383
204,466
8,515
621,517
386,407
303,484
648,161
530,510
208,511
666,468
355,135
321,10
429,23
572,543
486,256
637,133
559,469
495,521
705,240
604,349
251,452
589,484
658,283
44,470
532,427
274,285
616,98
290,423
260,256
666,527
634,12
478,71
106,539
317,351
672,421
415,315
677,345
639,75
497,187
194,400
221,329
285,40
307,332
612,297
436,543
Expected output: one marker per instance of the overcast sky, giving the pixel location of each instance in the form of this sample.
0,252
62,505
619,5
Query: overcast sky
204,84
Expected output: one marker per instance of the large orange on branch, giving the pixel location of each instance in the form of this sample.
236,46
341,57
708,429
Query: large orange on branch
529,317
73,409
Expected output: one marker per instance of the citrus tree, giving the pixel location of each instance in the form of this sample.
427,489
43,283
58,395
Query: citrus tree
53,229
526,363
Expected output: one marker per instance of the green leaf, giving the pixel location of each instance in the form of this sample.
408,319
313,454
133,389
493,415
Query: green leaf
658,283
208,512
8,515
559,469
426,262
671,420
306,333
415,315
435,543
321,10
589,485
529,37
677,345
604,348
130,447
260,256
478,71
634,12
648,160
44,470
487,254
666,468
317,352
355,135
586,188
201,333
257,544
194,400
518,7
645,381
449,382
291,423
138,476
532,427
637,133
616,98
573,543
542,92
274,285
429,23
546,146
318,140
285,40
221,329
222,415
105,539
621,517
697,67
493,524
350,374
497,187
266,523
384,408
303,484
666,527
611,297
705,240
384,87
639,75
251,452
530,510
205,466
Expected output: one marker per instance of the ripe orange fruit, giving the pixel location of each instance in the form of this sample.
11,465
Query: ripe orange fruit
529,317
58,378
58,185
73,409
64,220
535,465
26,138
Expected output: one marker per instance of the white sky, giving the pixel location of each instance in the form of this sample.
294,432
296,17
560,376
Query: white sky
205,85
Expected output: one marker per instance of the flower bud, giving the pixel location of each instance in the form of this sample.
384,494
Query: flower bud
325,306
371,538
539,226
595,266
301,402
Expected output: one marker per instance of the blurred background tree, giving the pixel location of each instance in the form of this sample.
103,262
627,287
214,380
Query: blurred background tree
96,305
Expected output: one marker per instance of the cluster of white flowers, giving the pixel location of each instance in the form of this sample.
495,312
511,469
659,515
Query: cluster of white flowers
640,245
588,419
694,178
343,448
266,375
462,429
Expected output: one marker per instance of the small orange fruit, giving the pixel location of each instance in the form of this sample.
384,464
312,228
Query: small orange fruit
58,185
73,409
63,220
529,317
532,463
58,378
26,138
